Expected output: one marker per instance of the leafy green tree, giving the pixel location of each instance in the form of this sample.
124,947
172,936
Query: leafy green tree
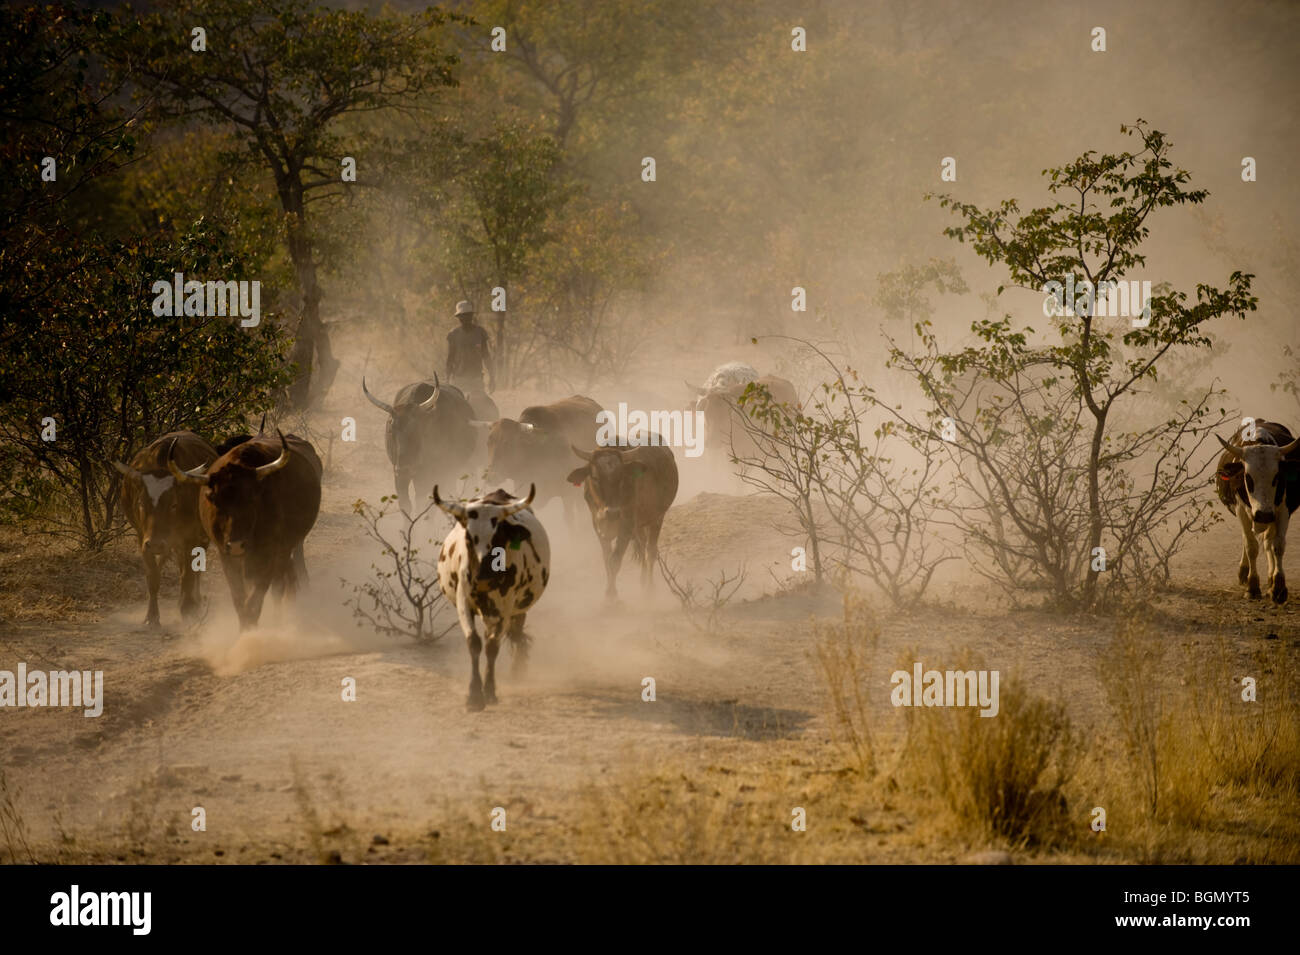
112,375
510,189
282,75
1041,417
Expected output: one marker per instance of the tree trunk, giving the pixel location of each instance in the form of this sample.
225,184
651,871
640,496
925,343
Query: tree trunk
312,339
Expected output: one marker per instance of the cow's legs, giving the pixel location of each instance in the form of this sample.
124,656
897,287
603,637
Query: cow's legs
651,552
262,578
401,483
153,574
234,569
613,562
493,648
519,646
1276,544
189,586
1250,551
473,642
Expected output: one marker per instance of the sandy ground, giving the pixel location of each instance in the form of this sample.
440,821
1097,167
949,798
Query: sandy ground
254,729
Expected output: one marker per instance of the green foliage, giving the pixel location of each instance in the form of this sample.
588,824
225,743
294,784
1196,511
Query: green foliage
1050,424
89,353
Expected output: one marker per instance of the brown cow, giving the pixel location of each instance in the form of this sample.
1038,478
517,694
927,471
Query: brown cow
1259,480
725,429
535,449
628,490
258,502
165,514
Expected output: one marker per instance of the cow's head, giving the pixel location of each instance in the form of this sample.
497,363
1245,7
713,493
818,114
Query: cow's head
231,487
155,506
481,518
513,447
605,480
1264,474
407,427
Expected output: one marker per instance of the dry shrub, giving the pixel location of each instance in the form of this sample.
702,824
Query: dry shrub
1001,777
842,651
1130,672
667,816
1216,776
1252,745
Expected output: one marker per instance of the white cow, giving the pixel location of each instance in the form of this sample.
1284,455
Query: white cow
1259,480
494,563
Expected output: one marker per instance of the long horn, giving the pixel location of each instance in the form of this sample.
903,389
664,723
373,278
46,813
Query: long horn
375,401
585,455
127,470
1290,449
1230,448
451,507
520,505
281,462
196,476
695,388
262,427
427,403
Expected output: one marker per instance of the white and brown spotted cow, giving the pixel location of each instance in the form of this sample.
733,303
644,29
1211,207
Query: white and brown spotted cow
495,564
1259,480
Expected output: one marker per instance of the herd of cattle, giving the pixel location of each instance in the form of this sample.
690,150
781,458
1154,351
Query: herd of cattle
256,497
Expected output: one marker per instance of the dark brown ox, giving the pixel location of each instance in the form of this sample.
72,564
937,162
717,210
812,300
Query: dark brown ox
727,421
628,491
535,449
1259,480
257,503
429,437
165,514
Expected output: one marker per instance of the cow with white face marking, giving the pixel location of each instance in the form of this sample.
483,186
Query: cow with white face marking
1259,480
165,514
494,564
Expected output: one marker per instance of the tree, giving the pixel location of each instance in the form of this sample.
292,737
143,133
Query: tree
1024,391
282,75
511,187
97,374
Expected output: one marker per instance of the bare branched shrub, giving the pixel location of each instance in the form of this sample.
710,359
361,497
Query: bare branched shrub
1001,777
861,507
703,601
842,651
402,598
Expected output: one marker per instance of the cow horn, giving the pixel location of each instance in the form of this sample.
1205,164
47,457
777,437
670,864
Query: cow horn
527,427
262,427
375,401
127,470
196,476
1230,448
475,423
427,403
585,455
694,388
1290,449
279,463
453,508
520,505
